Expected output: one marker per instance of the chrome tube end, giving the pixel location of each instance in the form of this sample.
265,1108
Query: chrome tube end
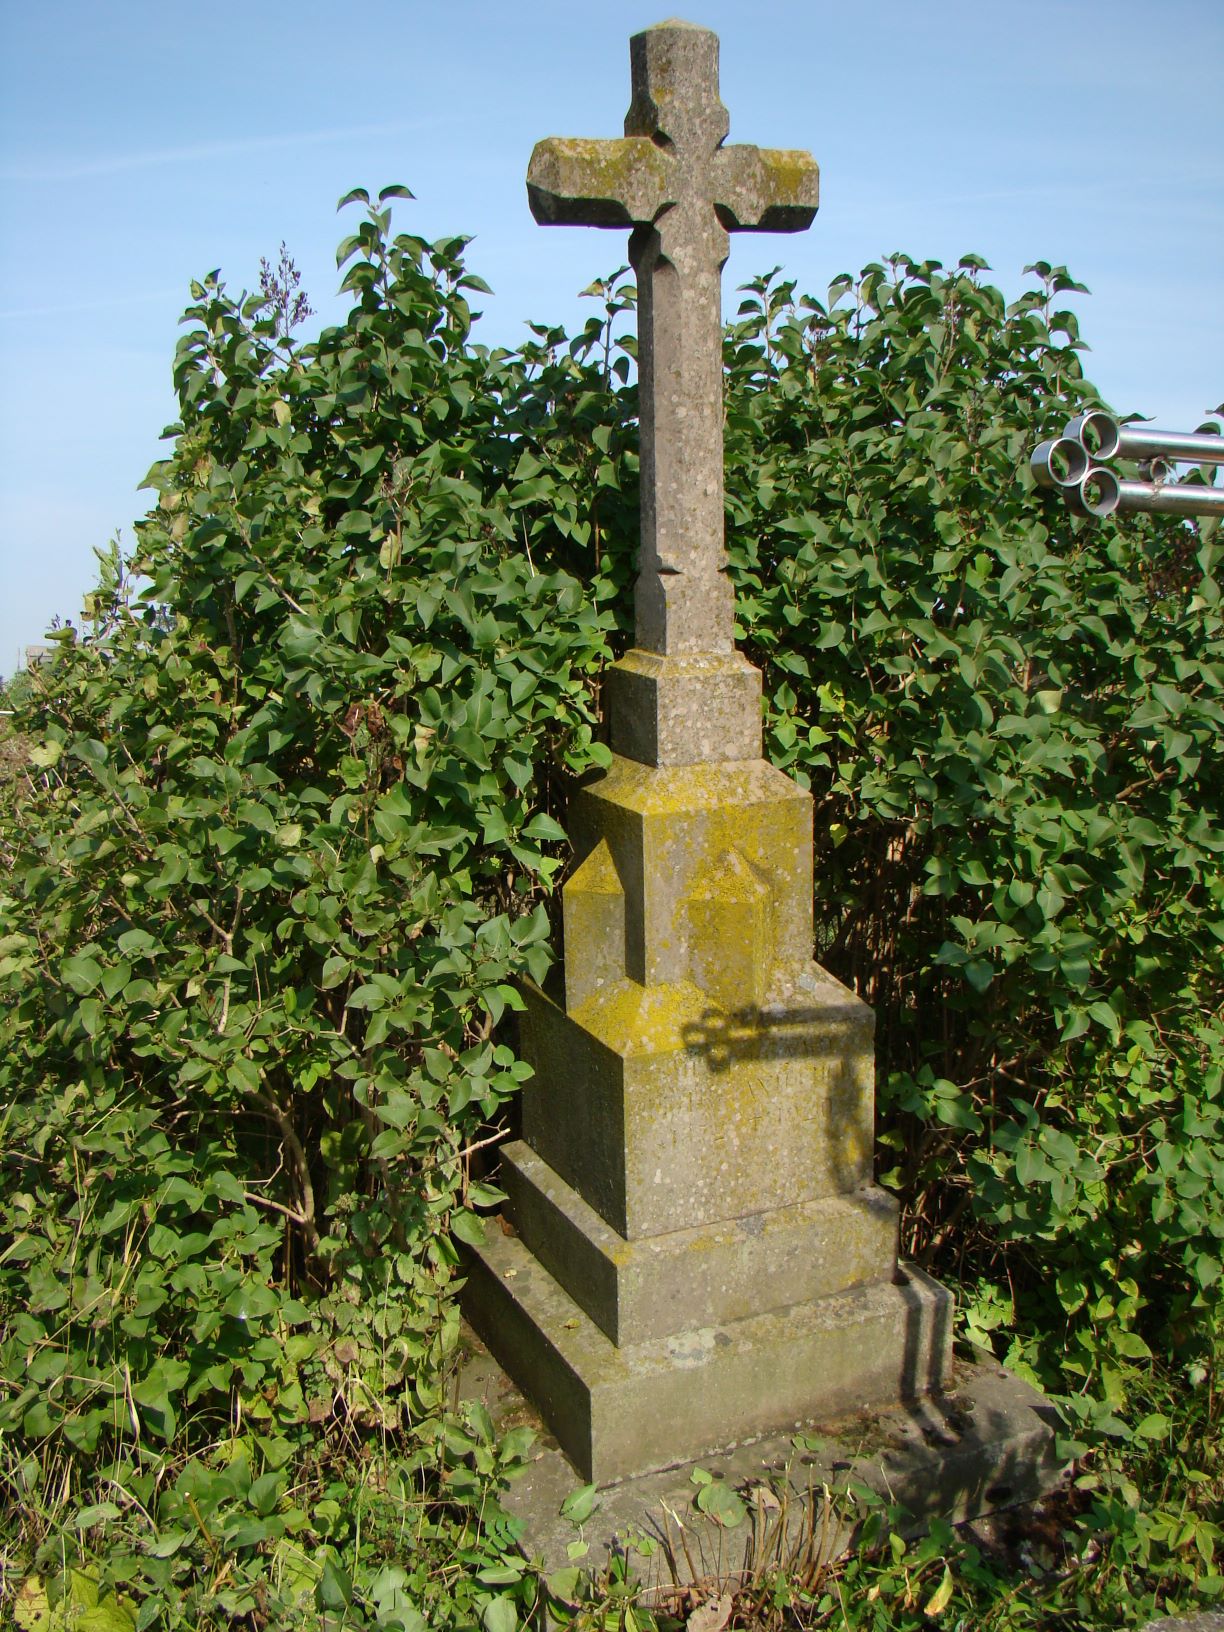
1097,432
1097,495
1060,463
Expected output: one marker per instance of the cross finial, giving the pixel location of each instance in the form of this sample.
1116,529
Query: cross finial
671,179
674,75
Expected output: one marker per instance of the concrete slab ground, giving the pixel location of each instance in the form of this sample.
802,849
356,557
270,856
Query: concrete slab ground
987,1443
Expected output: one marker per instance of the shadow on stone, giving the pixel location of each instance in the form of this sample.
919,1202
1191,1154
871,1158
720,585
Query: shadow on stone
753,1033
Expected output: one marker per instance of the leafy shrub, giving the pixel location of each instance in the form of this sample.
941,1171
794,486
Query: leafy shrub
1011,721
283,834
276,858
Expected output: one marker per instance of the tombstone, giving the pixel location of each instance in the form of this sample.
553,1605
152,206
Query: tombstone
696,1252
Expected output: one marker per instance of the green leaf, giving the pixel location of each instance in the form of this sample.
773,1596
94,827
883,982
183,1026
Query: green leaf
366,997
566,1583
942,1596
1031,1166
1153,1426
1131,1345
82,973
1208,1268
580,1504
544,829
31,1609
485,1195
335,1584
718,1501
245,1075
265,1493
100,1513
979,972
468,1227
499,1615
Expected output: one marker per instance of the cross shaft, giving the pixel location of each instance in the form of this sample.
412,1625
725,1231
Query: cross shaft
681,191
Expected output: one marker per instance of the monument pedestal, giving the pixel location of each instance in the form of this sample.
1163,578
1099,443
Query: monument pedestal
699,1255
987,1443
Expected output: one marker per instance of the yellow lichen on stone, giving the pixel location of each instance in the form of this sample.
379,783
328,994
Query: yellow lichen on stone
792,175
670,832
678,789
589,181
631,1019
593,904
729,943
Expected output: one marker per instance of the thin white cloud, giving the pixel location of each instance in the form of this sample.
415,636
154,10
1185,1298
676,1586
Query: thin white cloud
113,164
145,299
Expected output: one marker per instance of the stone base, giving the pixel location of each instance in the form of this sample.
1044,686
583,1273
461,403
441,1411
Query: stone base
618,1412
987,1443
706,1274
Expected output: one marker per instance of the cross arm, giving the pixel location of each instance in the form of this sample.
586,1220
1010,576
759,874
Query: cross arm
765,189
593,183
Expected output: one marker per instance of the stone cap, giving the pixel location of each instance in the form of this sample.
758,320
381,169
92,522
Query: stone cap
685,710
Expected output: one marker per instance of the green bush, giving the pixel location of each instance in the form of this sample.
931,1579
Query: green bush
278,857
280,834
1011,721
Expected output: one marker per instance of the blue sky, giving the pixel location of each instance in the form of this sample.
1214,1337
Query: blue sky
145,142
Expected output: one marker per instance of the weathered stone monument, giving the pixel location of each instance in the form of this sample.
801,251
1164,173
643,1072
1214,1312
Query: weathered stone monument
700,1254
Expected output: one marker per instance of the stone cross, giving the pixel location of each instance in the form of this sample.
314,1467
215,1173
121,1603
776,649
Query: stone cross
671,179
698,1251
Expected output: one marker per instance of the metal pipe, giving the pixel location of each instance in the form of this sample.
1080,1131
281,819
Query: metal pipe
1182,447
1097,432
1096,495
1060,463
1103,438
1168,499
